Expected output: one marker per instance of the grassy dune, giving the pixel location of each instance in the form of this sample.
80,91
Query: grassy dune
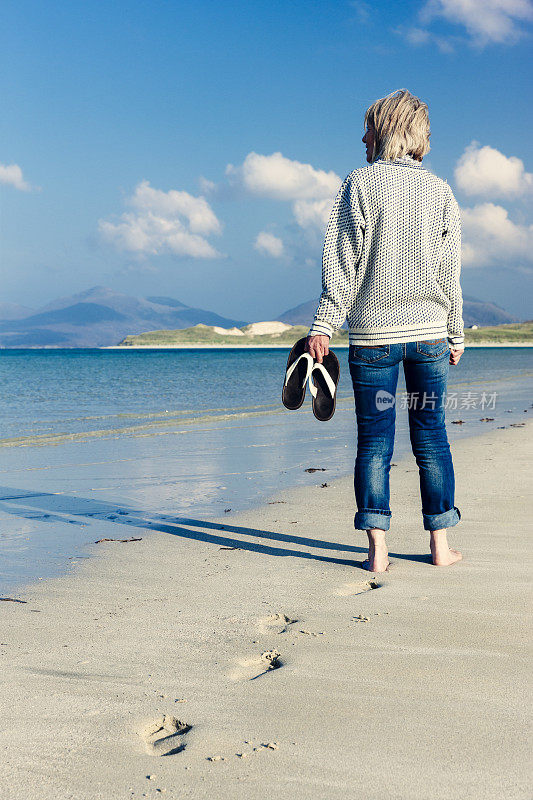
204,334
514,332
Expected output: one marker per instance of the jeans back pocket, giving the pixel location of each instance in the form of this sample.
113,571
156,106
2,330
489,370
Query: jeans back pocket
434,348
369,353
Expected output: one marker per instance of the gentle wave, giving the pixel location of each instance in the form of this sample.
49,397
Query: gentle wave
149,428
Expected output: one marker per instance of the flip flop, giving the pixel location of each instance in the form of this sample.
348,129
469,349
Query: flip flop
323,382
299,365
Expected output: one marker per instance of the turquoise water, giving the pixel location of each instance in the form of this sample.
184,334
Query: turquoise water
51,395
106,443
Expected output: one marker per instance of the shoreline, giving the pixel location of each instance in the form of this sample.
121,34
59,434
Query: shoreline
270,346
222,346
121,647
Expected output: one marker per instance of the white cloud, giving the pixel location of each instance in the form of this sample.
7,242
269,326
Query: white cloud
420,36
206,186
489,237
11,175
311,191
164,222
486,21
486,171
313,213
268,244
280,178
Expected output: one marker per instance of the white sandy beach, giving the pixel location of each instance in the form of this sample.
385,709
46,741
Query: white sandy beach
408,685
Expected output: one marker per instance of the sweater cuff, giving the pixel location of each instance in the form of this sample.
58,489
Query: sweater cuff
320,328
456,341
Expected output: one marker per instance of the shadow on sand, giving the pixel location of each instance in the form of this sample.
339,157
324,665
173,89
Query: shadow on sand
47,507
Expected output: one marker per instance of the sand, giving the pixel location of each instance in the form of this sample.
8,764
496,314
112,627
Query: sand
259,660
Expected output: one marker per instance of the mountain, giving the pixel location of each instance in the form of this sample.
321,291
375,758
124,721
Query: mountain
300,315
166,301
14,311
99,317
475,312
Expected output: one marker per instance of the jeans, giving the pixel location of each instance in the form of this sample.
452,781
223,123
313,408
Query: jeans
374,371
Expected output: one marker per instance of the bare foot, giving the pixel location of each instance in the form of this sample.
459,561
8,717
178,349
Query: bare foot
441,554
376,565
447,558
378,556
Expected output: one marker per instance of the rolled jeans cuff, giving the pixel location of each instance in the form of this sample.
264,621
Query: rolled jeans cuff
368,518
434,522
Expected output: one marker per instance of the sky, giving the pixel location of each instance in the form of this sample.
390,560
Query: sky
193,150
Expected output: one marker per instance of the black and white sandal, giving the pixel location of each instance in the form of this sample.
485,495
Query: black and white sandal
299,366
323,382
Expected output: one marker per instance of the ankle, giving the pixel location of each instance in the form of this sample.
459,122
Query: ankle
376,537
438,539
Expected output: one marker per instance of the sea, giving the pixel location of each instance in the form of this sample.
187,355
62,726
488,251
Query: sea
92,435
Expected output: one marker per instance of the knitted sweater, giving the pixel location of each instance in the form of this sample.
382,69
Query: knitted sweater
392,257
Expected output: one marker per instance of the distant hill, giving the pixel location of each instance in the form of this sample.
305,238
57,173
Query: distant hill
14,311
259,333
267,334
478,312
166,301
300,315
99,317
475,312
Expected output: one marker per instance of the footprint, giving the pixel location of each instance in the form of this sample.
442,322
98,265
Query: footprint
350,589
277,623
252,668
163,737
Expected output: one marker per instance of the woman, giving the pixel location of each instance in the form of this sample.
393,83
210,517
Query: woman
390,267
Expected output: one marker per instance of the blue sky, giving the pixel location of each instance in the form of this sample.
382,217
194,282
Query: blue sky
193,149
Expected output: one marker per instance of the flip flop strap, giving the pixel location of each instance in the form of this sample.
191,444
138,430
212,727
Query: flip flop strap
306,357
327,377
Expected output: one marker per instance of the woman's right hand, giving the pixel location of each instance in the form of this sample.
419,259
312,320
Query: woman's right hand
317,347
455,355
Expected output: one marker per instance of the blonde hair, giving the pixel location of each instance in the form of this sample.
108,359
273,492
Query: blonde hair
401,125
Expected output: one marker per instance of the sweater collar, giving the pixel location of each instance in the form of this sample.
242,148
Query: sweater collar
406,159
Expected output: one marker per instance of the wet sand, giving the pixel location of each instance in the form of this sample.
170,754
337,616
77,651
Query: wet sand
251,656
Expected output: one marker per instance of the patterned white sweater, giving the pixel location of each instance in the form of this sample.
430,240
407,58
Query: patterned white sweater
392,257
